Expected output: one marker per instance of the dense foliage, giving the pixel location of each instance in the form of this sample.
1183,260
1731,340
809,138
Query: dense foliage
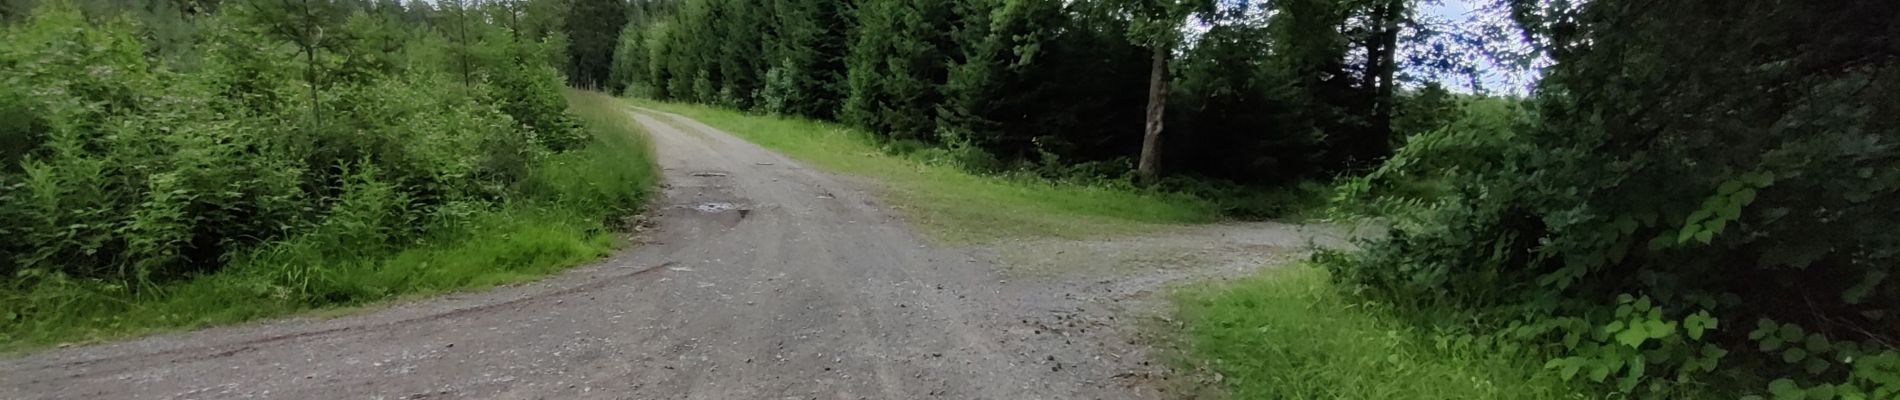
1690,203
1697,203
301,137
592,26
1047,85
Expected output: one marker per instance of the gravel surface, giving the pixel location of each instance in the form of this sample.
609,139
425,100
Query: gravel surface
758,279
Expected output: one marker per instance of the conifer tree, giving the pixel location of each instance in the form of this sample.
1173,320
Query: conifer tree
592,28
805,71
896,64
993,95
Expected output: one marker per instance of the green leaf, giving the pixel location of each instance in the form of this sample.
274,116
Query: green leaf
1858,293
1744,197
1816,365
1822,391
1625,224
1627,382
1785,389
1760,179
1696,323
1763,328
1714,352
1661,329
1660,242
1688,232
1792,333
1599,372
1566,367
1794,355
1697,217
1816,343
1732,211
1634,336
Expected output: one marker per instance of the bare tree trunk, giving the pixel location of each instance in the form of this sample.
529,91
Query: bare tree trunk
310,76
461,27
514,25
1383,63
309,43
1157,104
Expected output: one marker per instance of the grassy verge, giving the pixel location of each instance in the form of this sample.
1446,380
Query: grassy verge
954,204
1289,334
564,218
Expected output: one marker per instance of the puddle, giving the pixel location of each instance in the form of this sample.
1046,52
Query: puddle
713,207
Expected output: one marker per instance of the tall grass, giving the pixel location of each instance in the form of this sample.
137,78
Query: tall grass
952,203
564,216
1290,334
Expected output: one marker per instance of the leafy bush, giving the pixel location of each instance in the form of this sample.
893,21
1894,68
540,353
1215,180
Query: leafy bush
1418,174
1685,216
292,176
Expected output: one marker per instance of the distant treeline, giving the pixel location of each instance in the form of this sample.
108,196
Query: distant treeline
1253,92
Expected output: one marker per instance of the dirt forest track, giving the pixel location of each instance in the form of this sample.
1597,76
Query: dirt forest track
757,278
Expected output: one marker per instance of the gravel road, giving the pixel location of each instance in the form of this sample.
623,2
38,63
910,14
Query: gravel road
758,278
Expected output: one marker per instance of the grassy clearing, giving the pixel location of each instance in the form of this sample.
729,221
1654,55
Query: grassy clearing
564,218
1289,334
950,202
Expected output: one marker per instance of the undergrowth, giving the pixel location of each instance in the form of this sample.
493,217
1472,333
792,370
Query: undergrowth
569,205
1290,333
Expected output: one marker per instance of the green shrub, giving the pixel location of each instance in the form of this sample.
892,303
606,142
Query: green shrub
1291,334
1418,176
1685,216
274,178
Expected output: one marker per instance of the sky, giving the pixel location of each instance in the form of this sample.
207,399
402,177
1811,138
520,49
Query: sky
1495,78
1470,17
1449,9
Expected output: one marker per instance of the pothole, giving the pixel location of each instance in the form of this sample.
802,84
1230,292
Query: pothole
713,207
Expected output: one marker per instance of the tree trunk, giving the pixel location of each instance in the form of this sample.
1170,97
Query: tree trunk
461,28
1383,63
1157,103
310,77
309,43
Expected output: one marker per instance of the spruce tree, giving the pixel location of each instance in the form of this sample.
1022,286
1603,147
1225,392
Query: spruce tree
592,29
896,64
808,41
994,96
